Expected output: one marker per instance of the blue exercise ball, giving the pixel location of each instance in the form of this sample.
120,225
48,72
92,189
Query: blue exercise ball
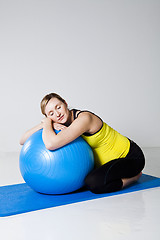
55,172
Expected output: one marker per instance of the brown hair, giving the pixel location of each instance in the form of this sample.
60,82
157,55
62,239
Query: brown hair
46,99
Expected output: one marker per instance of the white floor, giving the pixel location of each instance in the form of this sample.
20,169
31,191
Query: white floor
128,216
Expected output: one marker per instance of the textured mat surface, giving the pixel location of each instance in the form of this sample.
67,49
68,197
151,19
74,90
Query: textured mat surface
20,198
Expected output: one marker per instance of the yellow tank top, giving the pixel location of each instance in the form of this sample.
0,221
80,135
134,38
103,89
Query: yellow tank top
107,144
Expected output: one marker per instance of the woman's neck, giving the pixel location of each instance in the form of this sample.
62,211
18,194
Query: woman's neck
70,118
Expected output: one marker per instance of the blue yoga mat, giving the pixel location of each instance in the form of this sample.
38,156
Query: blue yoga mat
20,198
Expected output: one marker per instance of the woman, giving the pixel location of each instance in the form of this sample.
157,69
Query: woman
118,160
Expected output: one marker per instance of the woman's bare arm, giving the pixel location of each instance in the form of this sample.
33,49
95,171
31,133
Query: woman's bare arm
27,134
77,128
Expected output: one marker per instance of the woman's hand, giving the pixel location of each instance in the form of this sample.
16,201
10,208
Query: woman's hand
46,120
58,126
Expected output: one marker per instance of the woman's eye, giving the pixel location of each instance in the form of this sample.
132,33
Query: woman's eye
51,114
58,107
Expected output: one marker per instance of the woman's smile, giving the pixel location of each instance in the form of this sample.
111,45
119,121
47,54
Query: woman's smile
60,118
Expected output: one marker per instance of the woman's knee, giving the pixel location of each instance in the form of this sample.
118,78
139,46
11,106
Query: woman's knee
98,188
94,184
90,181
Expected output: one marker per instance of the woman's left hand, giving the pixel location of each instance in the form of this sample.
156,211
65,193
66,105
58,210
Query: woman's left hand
57,126
46,121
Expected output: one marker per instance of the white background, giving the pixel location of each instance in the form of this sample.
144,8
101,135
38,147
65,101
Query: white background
102,55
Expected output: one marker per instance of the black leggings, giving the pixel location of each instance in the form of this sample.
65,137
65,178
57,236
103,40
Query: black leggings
108,177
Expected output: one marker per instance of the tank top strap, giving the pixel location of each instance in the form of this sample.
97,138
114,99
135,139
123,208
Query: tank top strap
75,115
89,112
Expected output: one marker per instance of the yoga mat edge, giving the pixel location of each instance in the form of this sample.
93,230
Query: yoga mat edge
20,198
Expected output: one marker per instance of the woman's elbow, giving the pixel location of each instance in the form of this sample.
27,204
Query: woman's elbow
23,139
21,142
49,146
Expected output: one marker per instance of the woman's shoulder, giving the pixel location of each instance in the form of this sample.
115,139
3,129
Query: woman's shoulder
94,122
88,113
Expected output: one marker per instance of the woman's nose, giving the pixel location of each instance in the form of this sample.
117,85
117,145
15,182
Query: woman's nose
58,113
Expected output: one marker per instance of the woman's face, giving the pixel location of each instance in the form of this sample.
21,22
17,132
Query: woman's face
57,111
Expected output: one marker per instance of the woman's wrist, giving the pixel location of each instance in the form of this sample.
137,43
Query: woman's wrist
48,126
47,122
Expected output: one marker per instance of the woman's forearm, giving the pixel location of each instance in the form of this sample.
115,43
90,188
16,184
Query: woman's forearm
48,133
27,134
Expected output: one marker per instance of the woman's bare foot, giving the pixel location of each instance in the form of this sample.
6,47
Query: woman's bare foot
128,181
